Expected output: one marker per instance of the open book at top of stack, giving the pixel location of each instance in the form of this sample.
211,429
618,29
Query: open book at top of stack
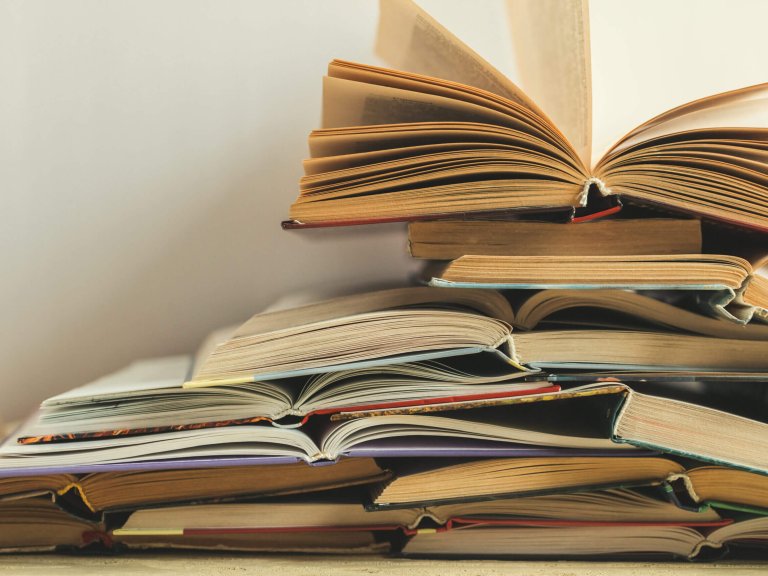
447,134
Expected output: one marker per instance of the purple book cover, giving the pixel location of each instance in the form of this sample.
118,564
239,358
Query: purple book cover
388,448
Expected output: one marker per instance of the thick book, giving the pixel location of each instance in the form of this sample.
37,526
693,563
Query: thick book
499,478
421,323
582,349
692,430
538,541
360,331
37,524
445,134
451,482
391,436
148,397
451,239
318,542
684,418
92,493
619,505
727,283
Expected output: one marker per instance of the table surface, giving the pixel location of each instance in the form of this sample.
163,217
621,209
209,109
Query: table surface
192,564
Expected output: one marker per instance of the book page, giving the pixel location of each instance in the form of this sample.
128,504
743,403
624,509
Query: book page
263,515
342,437
489,302
409,39
228,441
649,57
742,108
349,103
551,40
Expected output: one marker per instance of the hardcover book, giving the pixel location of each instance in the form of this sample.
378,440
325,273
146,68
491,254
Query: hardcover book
446,134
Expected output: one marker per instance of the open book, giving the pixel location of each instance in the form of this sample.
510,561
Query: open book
608,308
688,429
148,397
400,435
451,239
727,284
456,482
508,477
332,520
91,494
579,541
37,524
685,417
417,324
254,517
345,542
360,331
447,134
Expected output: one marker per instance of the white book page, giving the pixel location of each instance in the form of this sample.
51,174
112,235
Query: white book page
209,442
649,57
344,436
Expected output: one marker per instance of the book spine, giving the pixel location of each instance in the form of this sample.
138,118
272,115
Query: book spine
566,211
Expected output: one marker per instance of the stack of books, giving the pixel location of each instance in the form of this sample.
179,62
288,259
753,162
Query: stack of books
582,370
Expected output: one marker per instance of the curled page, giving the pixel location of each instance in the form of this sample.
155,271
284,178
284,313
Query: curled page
551,39
742,108
410,39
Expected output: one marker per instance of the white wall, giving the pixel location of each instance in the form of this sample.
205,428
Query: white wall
149,150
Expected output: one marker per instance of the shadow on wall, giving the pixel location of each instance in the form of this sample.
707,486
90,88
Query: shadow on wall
215,260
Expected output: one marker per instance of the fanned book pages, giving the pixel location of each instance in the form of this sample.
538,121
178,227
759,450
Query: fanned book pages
727,283
400,434
587,541
148,397
564,480
506,477
446,134
617,508
95,492
635,350
684,418
37,524
618,505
